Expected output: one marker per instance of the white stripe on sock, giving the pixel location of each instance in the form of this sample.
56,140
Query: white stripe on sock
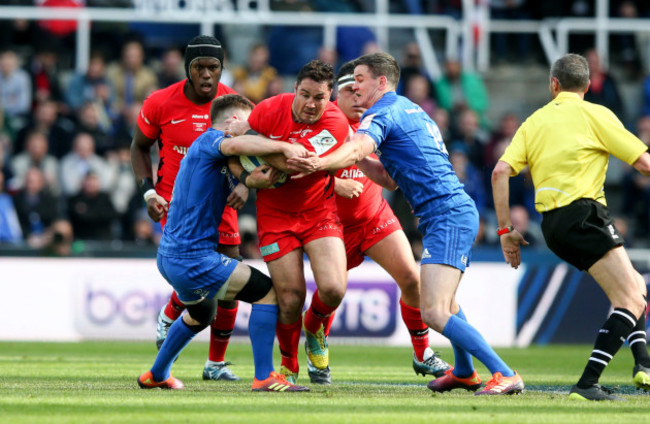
598,360
629,317
637,341
636,332
602,353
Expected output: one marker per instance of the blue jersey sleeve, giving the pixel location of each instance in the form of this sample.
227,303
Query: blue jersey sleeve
376,125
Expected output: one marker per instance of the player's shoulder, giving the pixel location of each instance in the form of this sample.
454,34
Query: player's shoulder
223,89
163,95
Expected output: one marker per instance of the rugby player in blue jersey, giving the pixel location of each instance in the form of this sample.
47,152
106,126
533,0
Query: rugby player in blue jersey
187,256
412,155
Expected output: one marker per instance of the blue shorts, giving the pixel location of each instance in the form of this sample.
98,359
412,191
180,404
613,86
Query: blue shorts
448,238
195,279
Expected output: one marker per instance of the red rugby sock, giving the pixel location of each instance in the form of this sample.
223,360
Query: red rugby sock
417,329
220,332
174,307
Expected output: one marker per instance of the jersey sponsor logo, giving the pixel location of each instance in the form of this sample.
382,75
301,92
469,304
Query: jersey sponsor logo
199,126
177,121
612,232
415,110
383,226
180,149
322,142
327,227
302,133
271,248
206,116
365,124
275,137
201,293
464,259
144,117
225,260
352,173
426,254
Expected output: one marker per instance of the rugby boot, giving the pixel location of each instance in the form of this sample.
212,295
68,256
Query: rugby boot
641,377
163,327
449,382
218,371
146,381
595,392
276,383
431,364
316,347
289,375
500,385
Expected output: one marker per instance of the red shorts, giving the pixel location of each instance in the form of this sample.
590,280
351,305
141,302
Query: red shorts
280,233
361,237
228,228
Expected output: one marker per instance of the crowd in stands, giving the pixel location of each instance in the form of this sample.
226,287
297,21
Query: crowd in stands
65,136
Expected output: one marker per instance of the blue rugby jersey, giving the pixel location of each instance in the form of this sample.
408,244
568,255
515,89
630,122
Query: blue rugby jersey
202,186
410,147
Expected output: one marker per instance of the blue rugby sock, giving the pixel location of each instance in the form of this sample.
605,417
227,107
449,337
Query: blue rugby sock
470,340
178,337
261,327
463,364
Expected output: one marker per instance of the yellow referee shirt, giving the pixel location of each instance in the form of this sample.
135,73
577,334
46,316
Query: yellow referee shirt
566,144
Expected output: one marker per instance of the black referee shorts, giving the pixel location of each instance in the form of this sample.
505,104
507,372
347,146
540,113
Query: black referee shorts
580,233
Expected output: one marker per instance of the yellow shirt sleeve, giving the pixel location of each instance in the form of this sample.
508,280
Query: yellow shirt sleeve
613,136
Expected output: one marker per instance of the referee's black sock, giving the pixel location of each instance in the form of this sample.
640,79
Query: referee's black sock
611,336
637,342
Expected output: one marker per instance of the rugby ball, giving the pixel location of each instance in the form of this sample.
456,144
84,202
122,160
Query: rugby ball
251,162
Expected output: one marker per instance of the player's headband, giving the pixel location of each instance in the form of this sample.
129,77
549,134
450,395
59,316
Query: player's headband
345,80
202,51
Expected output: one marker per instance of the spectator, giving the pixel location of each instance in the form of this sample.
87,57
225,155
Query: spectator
37,208
78,163
60,238
172,67
123,188
469,133
90,121
132,79
46,121
468,175
45,75
7,133
441,118
418,90
124,128
253,79
275,87
15,89
144,230
412,66
507,128
10,231
458,90
603,88
35,156
510,10
92,87
636,189
91,211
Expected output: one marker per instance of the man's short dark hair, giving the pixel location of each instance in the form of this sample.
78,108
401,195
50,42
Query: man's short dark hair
222,105
381,64
317,71
572,71
346,69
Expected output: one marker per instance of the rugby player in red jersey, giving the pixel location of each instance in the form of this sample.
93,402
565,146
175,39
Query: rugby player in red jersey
174,117
370,228
300,216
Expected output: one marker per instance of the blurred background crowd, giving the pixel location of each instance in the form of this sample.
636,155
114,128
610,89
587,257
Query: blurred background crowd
66,177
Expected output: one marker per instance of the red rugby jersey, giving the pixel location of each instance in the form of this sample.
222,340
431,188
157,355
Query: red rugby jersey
169,116
360,209
272,118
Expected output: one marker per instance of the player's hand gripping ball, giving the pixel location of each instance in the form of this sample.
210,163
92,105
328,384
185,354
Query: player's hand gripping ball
251,162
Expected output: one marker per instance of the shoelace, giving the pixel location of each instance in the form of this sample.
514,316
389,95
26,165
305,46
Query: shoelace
433,359
495,381
608,390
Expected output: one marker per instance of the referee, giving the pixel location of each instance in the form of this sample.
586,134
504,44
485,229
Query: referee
566,144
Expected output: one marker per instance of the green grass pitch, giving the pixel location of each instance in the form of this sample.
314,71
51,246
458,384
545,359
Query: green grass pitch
95,382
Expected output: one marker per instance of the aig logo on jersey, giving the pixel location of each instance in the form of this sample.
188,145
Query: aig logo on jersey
322,142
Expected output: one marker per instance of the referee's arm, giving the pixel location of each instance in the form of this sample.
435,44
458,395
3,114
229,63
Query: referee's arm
643,164
511,240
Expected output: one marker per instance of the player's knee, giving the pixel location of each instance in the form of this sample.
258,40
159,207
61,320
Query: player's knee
331,295
290,302
202,314
435,318
258,287
410,285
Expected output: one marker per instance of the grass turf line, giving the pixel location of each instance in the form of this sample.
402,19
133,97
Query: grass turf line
95,382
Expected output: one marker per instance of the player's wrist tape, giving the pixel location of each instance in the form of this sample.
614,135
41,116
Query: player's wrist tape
505,230
146,188
242,177
149,194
